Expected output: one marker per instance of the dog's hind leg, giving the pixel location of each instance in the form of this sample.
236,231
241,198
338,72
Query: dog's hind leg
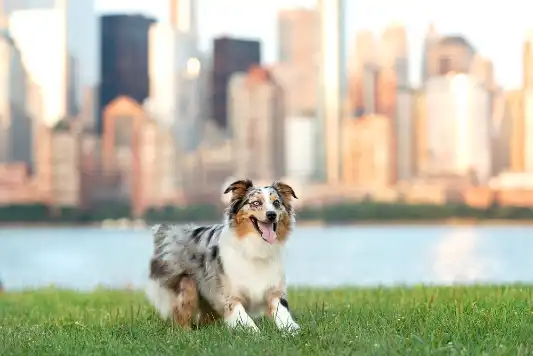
186,302
175,298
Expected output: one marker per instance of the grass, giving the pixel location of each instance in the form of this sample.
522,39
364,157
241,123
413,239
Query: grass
397,321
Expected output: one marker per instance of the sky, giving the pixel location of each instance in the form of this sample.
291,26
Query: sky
496,29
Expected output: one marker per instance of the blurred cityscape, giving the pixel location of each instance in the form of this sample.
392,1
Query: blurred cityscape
126,109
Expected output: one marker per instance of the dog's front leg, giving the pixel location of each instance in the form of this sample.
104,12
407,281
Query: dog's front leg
235,315
279,311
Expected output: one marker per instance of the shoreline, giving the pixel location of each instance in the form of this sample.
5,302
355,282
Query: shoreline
301,223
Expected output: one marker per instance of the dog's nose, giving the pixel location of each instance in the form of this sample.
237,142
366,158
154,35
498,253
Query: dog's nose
271,215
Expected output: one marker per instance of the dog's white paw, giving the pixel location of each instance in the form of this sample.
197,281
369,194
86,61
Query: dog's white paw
239,318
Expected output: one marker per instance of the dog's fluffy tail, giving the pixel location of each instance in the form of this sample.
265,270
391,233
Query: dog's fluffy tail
160,233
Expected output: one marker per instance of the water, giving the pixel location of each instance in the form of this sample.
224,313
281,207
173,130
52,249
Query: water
83,258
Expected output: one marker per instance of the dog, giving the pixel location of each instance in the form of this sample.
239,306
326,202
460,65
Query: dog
231,271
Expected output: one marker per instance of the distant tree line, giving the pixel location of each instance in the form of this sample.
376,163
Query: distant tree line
339,213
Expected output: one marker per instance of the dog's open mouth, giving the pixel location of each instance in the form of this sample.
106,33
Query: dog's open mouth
267,230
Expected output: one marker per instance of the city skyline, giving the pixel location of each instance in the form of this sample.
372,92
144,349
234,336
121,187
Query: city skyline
502,44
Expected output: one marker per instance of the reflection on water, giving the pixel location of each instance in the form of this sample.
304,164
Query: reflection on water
457,258
82,258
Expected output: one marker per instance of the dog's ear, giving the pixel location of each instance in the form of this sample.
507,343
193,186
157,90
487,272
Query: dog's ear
239,188
285,190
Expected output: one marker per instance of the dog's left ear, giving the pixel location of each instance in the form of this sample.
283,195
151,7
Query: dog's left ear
284,190
239,188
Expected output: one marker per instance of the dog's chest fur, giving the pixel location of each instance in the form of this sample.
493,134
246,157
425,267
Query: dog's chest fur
253,269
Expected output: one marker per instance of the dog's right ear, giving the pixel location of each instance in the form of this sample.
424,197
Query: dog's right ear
239,188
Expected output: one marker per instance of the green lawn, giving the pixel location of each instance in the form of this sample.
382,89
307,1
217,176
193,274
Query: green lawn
397,321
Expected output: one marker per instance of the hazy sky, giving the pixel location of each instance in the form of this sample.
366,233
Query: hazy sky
496,29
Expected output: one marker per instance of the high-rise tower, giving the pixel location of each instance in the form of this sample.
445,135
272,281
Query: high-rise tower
528,102
331,89
183,16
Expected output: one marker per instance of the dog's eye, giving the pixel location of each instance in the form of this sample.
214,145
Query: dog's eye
256,203
276,204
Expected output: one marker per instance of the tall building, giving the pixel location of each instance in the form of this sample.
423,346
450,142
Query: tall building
367,152
393,68
515,119
450,54
124,59
299,152
528,102
527,61
230,55
420,133
482,69
47,66
163,52
331,89
80,25
57,163
16,121
430,42
404,138
296,69
83,47
362,73
459,127
176,73
257,119
183,16
139,163
395,98
295,43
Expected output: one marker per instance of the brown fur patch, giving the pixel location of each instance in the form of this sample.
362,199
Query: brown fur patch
271,296
239,188
230,306
284,228
243,225
186,304
286,194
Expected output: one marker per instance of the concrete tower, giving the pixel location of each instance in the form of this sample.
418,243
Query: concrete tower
331,89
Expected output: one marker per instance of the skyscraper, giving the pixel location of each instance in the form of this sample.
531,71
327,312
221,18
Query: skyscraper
48,68
528,102
230,55
459,126
176,70
79,32
430,40
16,122
257,119
124,55
331,89
183,16
295,44
362,77
296,71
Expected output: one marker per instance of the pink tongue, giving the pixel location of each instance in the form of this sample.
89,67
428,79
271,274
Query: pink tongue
268,231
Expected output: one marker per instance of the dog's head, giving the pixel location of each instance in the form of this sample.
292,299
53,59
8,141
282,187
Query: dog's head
266,212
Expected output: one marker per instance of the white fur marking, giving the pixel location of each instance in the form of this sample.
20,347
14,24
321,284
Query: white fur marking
269,206
239,317
283,318
253,267
161,298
